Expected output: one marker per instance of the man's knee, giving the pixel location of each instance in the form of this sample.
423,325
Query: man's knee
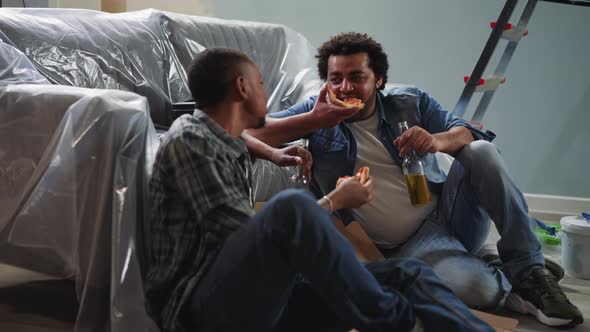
289,199
481,152
477,285
293,208
481,156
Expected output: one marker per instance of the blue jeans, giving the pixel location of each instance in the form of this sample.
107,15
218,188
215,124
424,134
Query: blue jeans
290,269
478,188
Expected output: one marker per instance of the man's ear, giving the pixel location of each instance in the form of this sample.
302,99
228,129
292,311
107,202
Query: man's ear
241,87
379,82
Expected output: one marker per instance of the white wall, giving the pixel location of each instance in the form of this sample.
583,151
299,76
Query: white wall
25,3
84,4
191,7
542,113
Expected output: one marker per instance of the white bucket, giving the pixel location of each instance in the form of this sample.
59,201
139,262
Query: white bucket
575,246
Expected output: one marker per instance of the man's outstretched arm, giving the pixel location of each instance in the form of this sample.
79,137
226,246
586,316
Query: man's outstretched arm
279,131
302,120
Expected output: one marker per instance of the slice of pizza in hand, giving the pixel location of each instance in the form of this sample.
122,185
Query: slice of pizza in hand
346,102
362,176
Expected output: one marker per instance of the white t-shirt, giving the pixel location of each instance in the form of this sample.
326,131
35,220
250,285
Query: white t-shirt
389,219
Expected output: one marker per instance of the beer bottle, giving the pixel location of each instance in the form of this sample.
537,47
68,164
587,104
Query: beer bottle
413,170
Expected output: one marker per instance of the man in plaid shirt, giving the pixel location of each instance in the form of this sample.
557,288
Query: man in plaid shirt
215,265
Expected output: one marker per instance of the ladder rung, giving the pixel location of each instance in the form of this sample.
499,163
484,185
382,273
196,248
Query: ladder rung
511,32
487,83
483,60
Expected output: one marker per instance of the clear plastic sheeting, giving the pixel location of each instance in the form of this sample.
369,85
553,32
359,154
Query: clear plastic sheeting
74,165
269,179
285,58
147,52
15,67
74,162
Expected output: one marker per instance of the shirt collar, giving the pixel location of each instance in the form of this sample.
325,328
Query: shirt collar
235,147
380,107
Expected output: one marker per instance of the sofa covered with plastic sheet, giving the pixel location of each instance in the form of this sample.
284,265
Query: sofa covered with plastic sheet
148,51
72,186
75,157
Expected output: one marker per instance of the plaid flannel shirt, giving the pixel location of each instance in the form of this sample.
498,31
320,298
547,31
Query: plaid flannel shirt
200,193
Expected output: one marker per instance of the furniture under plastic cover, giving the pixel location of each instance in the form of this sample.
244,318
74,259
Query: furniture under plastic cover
73,174
148,51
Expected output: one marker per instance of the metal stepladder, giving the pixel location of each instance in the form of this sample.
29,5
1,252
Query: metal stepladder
501,29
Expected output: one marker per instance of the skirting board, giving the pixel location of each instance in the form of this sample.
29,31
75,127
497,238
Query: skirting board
552,208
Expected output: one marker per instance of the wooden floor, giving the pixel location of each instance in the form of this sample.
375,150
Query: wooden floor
30,304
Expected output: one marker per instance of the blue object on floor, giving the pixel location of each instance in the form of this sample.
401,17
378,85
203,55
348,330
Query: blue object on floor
551,230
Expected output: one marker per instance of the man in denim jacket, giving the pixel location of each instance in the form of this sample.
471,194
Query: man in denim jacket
214,264
478,189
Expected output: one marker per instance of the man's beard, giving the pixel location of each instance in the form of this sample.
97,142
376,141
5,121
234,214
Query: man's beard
261,122
360,116
367,112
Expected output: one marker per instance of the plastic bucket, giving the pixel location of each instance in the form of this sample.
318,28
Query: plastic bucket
575,246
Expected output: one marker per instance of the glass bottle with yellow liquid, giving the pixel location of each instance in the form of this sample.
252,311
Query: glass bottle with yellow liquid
413,170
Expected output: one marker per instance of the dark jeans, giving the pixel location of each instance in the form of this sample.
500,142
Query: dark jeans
290,269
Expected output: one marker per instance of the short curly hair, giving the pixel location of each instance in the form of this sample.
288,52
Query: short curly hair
352,43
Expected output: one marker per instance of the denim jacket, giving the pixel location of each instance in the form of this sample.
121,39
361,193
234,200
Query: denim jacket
334,149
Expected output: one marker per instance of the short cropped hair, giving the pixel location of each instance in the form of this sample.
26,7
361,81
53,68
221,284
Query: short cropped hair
352,43
212,72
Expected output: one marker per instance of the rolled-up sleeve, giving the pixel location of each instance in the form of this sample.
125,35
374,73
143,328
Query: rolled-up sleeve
299,108
436,119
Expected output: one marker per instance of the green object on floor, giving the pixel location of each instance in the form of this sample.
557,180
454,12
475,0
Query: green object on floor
546,238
